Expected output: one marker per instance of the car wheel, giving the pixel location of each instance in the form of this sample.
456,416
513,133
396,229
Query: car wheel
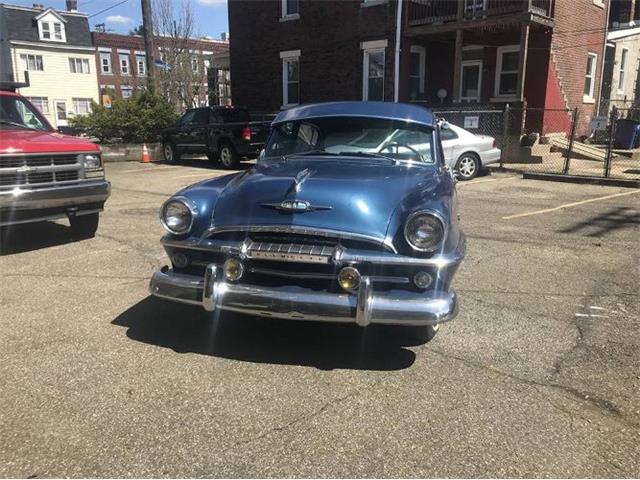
170,153
228,156
468,166
84,226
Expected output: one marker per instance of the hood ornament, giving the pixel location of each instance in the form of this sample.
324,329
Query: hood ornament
296,206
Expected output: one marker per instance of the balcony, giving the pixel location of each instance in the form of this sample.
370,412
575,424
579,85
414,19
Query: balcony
452,14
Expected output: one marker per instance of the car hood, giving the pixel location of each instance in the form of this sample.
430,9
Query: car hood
356,196
34,141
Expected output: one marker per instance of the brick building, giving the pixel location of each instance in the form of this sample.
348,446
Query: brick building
451,52
121,67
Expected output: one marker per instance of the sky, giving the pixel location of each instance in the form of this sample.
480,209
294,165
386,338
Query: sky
210,15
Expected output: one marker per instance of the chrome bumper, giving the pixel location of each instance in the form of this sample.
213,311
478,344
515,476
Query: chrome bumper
28,198
397,307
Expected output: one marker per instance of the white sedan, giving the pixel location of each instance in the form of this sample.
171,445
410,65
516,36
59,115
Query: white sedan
466,152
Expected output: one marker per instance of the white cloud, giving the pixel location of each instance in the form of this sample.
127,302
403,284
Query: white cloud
118,19
212,3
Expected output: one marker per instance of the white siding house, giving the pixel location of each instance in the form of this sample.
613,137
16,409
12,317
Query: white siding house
57,51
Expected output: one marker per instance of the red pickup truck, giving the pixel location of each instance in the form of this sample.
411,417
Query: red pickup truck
43,174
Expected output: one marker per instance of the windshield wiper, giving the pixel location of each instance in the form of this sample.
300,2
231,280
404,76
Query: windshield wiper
310,153
14,124
369,155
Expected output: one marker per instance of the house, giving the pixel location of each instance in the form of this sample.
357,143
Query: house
620,84
450,52
121,62
55,48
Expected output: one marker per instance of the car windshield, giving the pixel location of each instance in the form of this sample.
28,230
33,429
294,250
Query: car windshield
16,112
354,137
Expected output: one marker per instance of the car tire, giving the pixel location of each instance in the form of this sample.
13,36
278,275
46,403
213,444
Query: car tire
84,226
468,166
170,153
228,156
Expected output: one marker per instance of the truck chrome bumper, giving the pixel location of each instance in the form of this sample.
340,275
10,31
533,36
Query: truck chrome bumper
398,307
29,198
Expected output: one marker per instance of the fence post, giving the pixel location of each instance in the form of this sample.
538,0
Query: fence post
612,127
574,123
505,133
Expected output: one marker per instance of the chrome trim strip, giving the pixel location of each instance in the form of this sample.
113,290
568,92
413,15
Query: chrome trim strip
346,256
320,232
34,187
60,196
28,170
44,154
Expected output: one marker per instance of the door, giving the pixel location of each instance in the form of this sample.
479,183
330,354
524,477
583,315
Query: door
182,138
449,145
61,113
197,136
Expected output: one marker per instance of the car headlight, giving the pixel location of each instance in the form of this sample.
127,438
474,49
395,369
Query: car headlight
424,231
177,216
91,161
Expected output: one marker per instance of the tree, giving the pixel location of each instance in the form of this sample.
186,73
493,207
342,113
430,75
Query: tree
183,71
138,119
136,31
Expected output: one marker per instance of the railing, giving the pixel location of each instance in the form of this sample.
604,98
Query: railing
424,12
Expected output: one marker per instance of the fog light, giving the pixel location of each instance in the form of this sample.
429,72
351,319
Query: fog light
422,279
349,278
233,270
180,260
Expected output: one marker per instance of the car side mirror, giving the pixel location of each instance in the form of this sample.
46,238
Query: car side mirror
445,125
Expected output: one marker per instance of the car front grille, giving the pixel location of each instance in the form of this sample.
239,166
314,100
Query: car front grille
21,170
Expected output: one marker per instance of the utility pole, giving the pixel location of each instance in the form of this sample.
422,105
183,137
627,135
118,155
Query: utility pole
149,48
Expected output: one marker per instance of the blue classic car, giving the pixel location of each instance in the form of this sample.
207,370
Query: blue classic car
348,216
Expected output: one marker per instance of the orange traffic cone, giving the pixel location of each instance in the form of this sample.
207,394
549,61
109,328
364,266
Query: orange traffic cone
146,158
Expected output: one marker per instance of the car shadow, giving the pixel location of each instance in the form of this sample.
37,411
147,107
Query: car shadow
325,346
34,236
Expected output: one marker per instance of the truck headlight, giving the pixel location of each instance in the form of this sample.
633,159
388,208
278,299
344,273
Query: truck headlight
91,161
424,231
177,215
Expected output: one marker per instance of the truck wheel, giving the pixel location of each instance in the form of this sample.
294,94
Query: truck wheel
170,152
84,226
228,156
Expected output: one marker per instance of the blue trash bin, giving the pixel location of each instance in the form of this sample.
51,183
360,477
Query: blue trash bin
627,134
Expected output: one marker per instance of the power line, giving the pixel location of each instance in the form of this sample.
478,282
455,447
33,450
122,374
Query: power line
108,8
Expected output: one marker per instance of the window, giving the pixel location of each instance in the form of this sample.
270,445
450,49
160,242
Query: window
82,106
290,77
471,81
32,62
126,90
41,103
590,77
142,66
623,67
194,64
17,113
355,137
417,72
373,74
448,134
201,116
124,64
290,9
46,31
78,65
507,71
105,63
57,31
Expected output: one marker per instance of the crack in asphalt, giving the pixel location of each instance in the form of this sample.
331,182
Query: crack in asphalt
600,403
303,418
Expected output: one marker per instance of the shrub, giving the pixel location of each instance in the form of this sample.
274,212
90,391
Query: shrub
137,119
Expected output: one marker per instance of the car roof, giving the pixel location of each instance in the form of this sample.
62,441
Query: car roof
385,110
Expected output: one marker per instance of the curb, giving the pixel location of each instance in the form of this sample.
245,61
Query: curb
554,177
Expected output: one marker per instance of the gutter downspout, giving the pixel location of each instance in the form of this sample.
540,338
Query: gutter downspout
396,73
604,53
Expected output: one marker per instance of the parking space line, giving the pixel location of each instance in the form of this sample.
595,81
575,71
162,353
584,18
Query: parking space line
568,205
473,182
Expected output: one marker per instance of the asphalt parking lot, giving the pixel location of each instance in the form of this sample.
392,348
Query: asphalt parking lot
538,376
